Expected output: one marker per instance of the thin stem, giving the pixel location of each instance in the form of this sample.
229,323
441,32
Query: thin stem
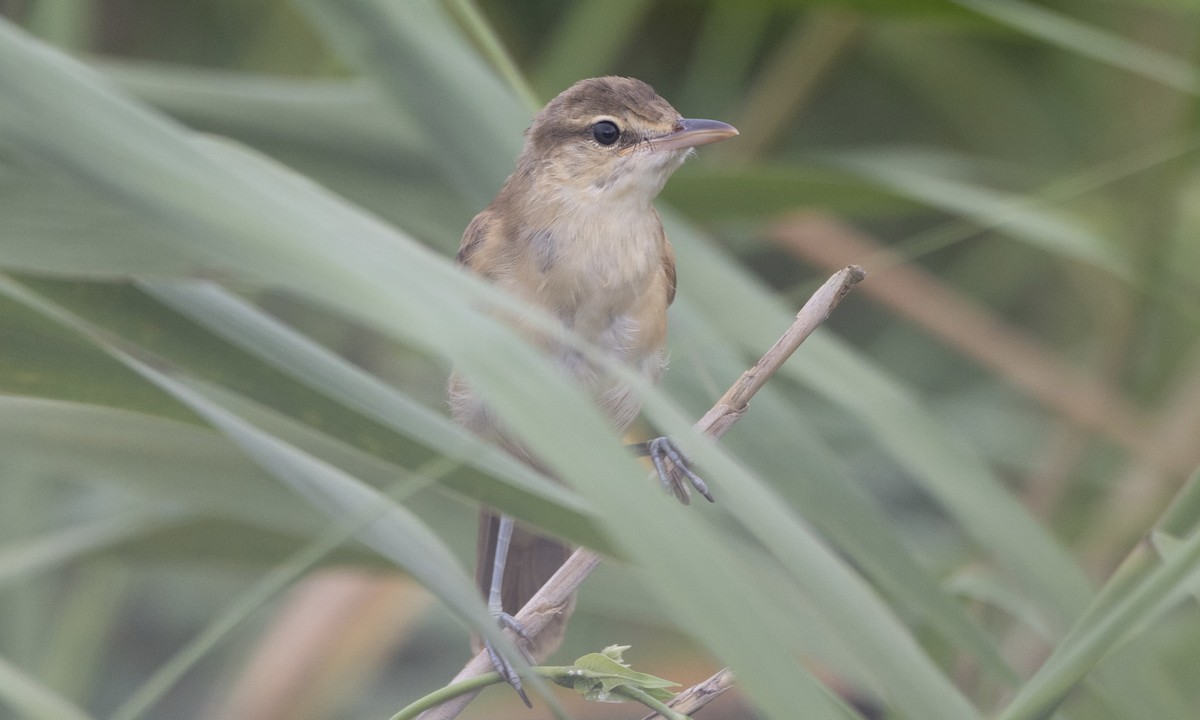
653,703
449,692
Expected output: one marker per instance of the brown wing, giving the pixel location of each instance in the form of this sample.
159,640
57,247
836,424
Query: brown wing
668,264
474,237
668,260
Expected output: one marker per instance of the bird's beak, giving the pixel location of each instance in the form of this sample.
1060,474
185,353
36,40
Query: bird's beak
689,133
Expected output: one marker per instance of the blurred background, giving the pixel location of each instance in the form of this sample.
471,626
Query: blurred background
1014,390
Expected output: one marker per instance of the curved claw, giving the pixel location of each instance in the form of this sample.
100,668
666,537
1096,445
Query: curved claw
510,622
674,469
502,665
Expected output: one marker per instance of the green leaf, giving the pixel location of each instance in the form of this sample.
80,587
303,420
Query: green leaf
606,671
587,42
395,533
26,557
414,51
33,700
520,491
1099,634
938,181
1077,36
132,453
718,193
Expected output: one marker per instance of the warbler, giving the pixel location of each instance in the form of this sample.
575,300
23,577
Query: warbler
574,232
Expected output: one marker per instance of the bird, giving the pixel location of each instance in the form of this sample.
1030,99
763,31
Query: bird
573,232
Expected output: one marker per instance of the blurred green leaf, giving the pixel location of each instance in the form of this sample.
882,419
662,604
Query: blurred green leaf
1183,514
1089,642
23,693
522,492
763,190
28,556
587,42
414,52
131,454
1084,39
937,181
394,533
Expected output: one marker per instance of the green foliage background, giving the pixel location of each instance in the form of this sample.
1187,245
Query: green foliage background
227,311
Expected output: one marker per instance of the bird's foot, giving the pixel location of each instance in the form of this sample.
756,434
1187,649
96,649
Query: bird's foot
501,663
673,468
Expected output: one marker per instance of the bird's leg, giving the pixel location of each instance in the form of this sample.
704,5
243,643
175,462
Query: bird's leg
673,468
496,608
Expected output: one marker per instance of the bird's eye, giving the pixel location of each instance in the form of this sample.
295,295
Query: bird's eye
606,132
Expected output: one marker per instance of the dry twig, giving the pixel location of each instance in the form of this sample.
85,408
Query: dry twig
557,591
697,696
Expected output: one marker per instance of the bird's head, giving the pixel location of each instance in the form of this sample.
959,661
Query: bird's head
611,137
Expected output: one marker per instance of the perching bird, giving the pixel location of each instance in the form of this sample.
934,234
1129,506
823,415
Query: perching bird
574,232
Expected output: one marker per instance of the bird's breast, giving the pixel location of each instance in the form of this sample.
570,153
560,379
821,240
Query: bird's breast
600,271
594,273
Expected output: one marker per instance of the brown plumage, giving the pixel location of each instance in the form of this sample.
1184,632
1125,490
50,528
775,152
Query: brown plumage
574,232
